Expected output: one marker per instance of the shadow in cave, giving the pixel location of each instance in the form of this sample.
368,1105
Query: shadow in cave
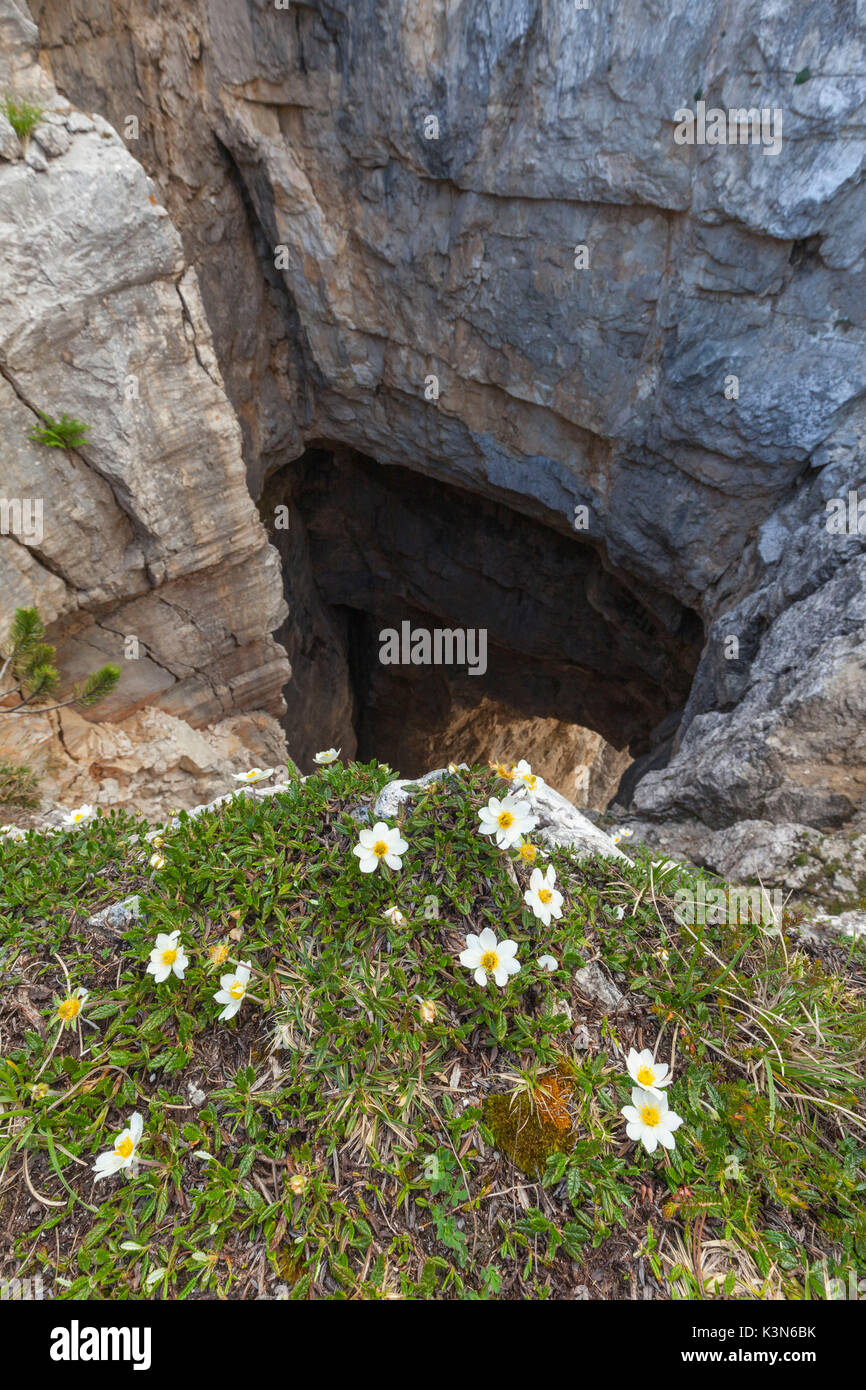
572,645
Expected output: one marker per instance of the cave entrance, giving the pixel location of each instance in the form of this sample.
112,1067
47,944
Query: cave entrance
580,663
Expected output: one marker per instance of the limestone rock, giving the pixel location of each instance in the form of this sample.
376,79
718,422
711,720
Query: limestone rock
378,195
594,983
148,549
558,821
151,762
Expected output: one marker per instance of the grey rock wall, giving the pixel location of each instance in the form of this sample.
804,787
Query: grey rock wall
407,257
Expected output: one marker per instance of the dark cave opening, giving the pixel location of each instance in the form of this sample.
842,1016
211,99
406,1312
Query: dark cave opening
584,667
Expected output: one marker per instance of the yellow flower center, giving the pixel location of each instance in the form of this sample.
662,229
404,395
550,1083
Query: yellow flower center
380,849
504,819
646,1076
237,990
123,1148
544,895
219,953
530,779
489,960
650,1116
69,1009
528,852
169,957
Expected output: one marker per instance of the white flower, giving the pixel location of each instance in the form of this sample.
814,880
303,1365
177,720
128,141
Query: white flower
12,832
234,988
509,820
166,957
380,843
255,774
541,895
649,1119
484,956
330,755
122,1155
395,916
69,1008
648,1073
157,861
156,838
80,816
549,963
624,834
525,778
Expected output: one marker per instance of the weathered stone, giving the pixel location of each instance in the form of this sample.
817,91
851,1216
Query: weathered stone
10,147
149,551
117,918
150,762
594,983
348,252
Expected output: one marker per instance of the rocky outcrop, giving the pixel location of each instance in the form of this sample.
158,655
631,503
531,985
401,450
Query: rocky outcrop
466,244
143,546
150,762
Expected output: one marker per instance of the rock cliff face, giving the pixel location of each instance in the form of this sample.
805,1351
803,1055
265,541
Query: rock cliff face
374,196
144,546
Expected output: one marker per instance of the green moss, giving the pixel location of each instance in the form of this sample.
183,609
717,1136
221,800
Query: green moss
525,1131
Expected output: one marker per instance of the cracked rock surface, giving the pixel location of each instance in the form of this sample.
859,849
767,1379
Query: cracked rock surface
147,530
307,132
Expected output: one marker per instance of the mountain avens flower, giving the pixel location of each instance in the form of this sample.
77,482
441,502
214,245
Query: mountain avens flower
122,1154
233,990
80,816
649,1119
509,820
167,958
255,774
382,844
69,1008
484,955
646,1072
542,896
329,755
